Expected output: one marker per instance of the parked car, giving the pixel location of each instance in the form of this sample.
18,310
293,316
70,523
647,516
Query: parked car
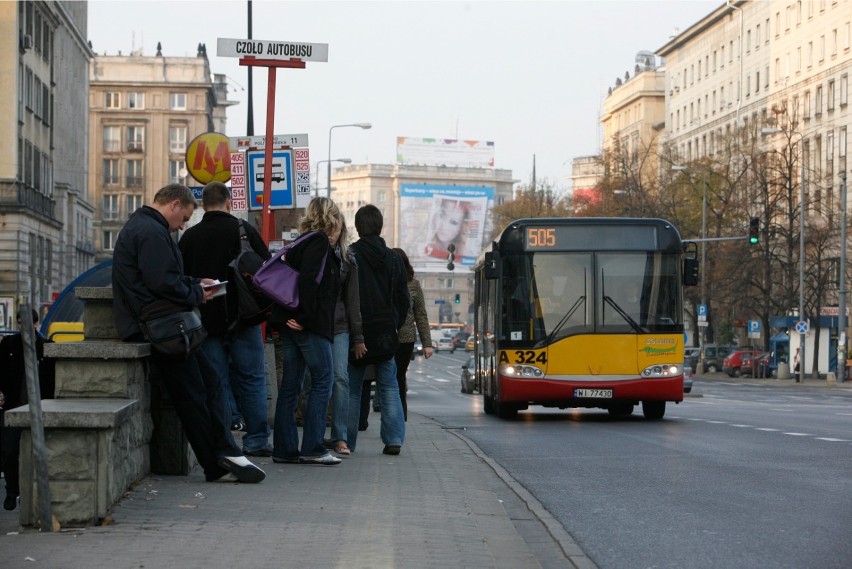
445,343
687,377
756,365
713,355
469,382
690,356
418,349
731,365
470,345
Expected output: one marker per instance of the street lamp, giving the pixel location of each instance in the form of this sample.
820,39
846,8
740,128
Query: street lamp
364,125
841,301
342,160
801,377
678,168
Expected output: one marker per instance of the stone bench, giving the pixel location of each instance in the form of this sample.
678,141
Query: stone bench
94,452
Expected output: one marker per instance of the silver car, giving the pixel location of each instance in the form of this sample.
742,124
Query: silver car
687,377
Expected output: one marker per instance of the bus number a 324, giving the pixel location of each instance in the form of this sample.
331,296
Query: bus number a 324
523,357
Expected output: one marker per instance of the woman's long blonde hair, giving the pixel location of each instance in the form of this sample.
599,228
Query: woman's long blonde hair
321,214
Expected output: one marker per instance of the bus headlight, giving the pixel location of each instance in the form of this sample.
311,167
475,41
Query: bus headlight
662,370
521,371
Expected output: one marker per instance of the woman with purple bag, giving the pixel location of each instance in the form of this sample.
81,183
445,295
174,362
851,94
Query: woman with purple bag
307,335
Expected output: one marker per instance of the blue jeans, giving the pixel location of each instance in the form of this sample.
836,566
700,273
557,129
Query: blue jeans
393,425
302,350
240,359
340,389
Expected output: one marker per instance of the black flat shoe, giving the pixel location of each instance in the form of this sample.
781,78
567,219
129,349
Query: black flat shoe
11,502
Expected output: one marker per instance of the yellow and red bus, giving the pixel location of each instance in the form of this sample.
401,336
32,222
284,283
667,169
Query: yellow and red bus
582,312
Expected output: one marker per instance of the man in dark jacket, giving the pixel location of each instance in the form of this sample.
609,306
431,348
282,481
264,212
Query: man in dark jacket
147,266
235,350
13,393
383,284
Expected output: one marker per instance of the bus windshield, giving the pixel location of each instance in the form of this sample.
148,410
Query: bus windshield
552,295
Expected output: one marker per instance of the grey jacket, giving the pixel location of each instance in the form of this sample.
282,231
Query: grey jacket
417,317
347,311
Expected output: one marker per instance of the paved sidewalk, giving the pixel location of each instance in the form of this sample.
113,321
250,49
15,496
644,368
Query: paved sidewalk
440,504
791,382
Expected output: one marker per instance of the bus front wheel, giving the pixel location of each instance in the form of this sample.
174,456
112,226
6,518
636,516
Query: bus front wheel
488,404
653,409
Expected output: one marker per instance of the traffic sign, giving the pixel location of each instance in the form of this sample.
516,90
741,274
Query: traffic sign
291,140
802,327
281,187
270,49
754,328
702,313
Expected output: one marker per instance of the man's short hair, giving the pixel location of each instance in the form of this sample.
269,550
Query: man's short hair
173,192
215,194
35,316
369,221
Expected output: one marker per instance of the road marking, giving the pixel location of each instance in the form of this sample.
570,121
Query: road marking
718,422
745,426
799,434
441,380
767,429
832,440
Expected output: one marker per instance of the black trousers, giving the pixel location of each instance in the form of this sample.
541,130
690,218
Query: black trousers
403,358
196,393
10,450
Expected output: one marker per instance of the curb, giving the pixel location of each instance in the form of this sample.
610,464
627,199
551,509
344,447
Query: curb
569,546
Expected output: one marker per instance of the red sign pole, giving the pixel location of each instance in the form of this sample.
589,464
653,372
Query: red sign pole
267,217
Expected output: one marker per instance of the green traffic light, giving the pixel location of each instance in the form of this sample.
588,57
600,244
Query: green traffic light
754,240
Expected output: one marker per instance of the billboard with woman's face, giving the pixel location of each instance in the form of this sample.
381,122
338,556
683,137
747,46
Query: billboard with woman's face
435,218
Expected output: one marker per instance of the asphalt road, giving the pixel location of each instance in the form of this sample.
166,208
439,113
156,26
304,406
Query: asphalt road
736,476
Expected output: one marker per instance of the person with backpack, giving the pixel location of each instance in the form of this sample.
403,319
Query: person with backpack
233,346
383,284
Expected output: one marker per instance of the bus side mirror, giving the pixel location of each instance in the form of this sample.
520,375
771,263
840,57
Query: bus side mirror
490,268
690,271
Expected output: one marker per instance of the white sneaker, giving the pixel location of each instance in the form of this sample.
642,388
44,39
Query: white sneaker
242,468
227,477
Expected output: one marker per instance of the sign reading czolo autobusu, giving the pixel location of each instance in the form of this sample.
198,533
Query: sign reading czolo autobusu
266,49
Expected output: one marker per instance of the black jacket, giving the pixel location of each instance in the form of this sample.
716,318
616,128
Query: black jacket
316,301
13,379
147,266
207,248
381,278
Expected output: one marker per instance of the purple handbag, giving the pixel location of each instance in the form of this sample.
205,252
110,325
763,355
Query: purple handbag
278,280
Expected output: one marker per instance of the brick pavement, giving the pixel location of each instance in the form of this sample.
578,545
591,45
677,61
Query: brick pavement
441,503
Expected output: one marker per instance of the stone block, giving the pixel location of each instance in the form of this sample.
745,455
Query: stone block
100,378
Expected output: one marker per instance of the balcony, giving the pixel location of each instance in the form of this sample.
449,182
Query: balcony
135,147
133,182
17,194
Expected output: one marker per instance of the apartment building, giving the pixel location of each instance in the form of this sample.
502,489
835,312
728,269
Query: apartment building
46,229
732,67
144,112
412,199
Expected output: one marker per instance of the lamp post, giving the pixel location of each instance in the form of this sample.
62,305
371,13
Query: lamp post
841,319
801,377
678,168
364,125
342,160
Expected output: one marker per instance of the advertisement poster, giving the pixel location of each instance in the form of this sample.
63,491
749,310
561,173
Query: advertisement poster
433,217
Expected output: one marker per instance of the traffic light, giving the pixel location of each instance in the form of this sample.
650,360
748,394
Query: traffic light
457,299
451,257
754,231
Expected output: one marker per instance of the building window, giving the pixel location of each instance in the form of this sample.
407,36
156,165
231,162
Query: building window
818,102
110,207
829,103
842,142
177,139
806,106
135,139
134,174
136,100
37,97
112,100
177,101
844,90
110,172
112,139
134,202
28,164
29,85
45,104
109,240
175,171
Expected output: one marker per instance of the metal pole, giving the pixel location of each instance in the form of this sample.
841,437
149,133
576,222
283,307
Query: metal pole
841,321
802,359
703,256
328,172
316,184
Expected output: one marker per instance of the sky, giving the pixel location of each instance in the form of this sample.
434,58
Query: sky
529,76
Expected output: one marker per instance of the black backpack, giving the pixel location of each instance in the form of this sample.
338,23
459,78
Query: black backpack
247,306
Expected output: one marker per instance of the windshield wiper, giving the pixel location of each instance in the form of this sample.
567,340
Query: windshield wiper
623,314
564,319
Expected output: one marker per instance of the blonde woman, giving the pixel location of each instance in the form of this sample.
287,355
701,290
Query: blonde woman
307,336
